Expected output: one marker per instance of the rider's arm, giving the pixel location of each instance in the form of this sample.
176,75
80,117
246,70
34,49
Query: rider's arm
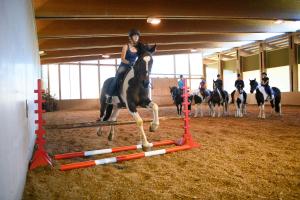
123,54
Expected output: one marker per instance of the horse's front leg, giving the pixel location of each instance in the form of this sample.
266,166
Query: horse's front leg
178,113
213,110
259,114
139,122
263,111
219,112
196,110
201,110
155,123
236,109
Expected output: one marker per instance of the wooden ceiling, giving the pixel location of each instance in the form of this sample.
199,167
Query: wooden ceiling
74,30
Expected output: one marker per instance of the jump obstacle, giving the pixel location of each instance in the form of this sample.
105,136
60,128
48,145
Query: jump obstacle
184,143
98,123
40,157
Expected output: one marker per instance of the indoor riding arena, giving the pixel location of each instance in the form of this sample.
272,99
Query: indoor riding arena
150,99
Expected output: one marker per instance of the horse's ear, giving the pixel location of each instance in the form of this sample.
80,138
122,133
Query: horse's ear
255,79
152,49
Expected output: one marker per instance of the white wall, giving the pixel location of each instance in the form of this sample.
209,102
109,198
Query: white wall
19,70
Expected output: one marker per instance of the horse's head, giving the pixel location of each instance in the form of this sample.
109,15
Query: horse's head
173,90
239,88
253,85
143,65
215,85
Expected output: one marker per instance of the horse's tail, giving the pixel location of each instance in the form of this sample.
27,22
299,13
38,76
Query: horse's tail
277,95
104,107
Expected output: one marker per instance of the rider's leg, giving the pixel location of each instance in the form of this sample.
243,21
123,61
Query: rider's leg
268,90
114,85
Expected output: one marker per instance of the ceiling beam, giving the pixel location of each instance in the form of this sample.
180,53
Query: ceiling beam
227,57
220,9
97,42
89,28
83,58
117,50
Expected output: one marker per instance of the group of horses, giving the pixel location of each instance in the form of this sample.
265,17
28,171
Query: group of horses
238,98
133,93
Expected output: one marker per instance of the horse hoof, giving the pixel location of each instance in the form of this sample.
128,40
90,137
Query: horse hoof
99,132
146,148
110,137
153,127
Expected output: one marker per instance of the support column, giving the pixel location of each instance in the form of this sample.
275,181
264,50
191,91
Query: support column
204,66
238,63
293,64
220,65
262,58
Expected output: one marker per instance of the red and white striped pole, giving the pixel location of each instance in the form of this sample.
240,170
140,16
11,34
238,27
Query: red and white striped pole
186,142
110,150
122,158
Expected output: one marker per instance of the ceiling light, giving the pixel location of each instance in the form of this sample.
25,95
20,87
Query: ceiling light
41,52
278,21
193,50
105,56
153,20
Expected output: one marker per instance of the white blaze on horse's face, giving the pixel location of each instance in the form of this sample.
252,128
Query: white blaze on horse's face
147,59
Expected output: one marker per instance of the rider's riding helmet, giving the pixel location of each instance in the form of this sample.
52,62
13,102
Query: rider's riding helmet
238,75
133,32
264,73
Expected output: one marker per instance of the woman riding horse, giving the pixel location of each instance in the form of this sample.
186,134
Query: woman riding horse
132,93
261,96
128,58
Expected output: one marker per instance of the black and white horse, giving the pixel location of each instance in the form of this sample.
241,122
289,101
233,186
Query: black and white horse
262,96
201,97
239,98
178,99
217,99
132,94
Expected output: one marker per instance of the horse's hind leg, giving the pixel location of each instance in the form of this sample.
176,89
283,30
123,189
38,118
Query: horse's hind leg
155,123
113,118
102,115
180,109
272,107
